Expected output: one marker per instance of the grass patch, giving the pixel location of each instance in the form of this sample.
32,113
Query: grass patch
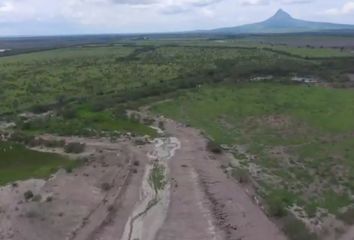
157,177
85,122
20,163
302,139
296,230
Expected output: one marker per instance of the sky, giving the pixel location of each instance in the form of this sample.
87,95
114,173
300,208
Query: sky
53,17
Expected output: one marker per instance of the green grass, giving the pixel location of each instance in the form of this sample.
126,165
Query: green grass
20,163
87,122
314,133
120,74
157,177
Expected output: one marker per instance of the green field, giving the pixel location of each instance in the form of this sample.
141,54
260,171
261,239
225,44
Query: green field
122,73
20,163
89,87
299,136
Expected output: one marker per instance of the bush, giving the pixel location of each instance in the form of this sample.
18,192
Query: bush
37,198
161,125
295,229
21,137
53,143
74,147
106,186
213,147
276,206
347,216
28,195
278,200
241,175
69,113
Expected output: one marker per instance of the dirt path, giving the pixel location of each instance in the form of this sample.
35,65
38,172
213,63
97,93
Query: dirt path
205,203
349,235
151,211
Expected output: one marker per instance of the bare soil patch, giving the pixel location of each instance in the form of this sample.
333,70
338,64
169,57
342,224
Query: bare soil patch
75,205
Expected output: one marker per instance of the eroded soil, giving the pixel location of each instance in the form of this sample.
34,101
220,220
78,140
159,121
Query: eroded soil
198,201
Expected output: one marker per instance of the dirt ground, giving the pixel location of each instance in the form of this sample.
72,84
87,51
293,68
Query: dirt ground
205,203
199,200
74,205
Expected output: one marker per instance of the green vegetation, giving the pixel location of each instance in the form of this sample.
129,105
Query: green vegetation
296,230
301,138
20,163
311,52
85,122
157,177
298,139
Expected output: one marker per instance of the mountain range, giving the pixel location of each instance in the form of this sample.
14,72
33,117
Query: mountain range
283,22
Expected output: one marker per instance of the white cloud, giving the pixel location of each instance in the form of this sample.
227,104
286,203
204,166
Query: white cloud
6,7
254,2
96,16
346,9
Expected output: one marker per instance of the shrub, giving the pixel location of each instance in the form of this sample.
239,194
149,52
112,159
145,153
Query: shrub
54,143
276,208
69,113
295,229
28,195
106,186
74,147
37,198
21,137
241,175
161,125
213,147
49,199
347,216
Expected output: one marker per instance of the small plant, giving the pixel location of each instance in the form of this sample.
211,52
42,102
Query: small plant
157,177
347,216
241,175
49,199
295,229
37,198
106,186
161,125
213,147
110,208
74,147
28,195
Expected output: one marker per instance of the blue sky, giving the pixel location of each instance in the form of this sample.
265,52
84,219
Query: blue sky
47,17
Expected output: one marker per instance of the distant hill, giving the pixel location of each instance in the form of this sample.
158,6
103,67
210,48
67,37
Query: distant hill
283,22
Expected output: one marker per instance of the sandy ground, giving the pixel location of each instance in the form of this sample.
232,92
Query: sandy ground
73,205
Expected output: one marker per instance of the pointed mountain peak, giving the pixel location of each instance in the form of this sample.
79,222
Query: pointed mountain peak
281,14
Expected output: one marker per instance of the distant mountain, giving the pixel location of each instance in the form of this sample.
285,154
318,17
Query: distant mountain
283,22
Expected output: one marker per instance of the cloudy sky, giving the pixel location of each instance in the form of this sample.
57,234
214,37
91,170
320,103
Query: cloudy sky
46,17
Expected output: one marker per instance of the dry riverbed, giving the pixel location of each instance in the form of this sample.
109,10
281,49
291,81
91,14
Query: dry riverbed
171,188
